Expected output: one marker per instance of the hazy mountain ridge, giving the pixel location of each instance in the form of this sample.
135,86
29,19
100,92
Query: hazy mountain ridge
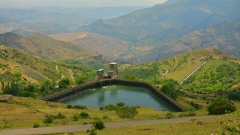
166,22
26,21
46,47
224,36
109,47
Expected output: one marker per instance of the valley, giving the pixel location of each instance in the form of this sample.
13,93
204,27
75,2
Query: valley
186,49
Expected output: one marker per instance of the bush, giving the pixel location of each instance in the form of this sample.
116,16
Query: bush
36,125
98,124
84,115
126,112
169,116
221,106
169,88
75,117
79,107
48,119
60,116
69,106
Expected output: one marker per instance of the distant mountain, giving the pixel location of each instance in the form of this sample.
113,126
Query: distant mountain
165,22
109,47
154,27
46,47
224,36
26,21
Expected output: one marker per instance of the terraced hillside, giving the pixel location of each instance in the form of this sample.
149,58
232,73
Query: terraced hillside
21,68
221,71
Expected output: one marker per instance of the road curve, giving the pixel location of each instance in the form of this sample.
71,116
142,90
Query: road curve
77,128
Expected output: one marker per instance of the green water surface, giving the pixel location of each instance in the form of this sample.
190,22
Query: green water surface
132,96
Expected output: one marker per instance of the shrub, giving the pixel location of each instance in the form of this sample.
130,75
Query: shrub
98,124
79,107
169,115
36,125
221,106
84,115
69,106
48,119
60,116
195,105
120,104
75,117
126,112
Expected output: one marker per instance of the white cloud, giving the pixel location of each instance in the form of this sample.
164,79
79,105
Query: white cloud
77,3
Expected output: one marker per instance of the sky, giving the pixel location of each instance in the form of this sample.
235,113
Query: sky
78,3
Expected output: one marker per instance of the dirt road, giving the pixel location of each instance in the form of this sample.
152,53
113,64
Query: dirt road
77,128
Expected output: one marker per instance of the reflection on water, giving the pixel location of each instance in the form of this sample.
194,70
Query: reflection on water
134,96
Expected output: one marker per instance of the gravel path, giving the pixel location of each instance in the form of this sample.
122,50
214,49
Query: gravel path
77,128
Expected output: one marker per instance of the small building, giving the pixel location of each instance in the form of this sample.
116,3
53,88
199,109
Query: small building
5,98
100,74
113,68
110,74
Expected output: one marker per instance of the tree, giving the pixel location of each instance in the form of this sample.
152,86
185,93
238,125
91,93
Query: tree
98,124
81,80
221,106
64,83
169,89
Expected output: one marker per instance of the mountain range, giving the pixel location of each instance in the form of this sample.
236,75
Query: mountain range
26,21
45,47
153,28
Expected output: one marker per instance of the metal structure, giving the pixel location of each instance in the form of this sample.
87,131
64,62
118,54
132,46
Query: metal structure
112,70
100,74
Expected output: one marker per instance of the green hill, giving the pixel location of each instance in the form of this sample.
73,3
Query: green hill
23,69
221,71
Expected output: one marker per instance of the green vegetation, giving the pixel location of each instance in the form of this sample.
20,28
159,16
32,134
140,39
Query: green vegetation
170,88
221,106
98,124
28,76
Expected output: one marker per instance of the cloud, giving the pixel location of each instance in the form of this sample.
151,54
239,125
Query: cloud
77,3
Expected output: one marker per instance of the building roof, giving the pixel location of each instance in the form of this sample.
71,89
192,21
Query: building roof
101,70
113,63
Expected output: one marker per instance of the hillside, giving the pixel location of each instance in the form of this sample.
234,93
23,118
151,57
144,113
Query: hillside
221,71
224,36
154,27
26,21
158,23
46,47
109,47
22,68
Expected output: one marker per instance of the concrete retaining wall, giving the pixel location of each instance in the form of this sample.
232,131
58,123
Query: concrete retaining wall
95,84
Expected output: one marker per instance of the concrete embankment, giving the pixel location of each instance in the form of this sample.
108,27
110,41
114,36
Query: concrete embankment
95,84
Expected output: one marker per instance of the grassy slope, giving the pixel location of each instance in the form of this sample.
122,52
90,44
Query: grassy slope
32,68
180,66
25,112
